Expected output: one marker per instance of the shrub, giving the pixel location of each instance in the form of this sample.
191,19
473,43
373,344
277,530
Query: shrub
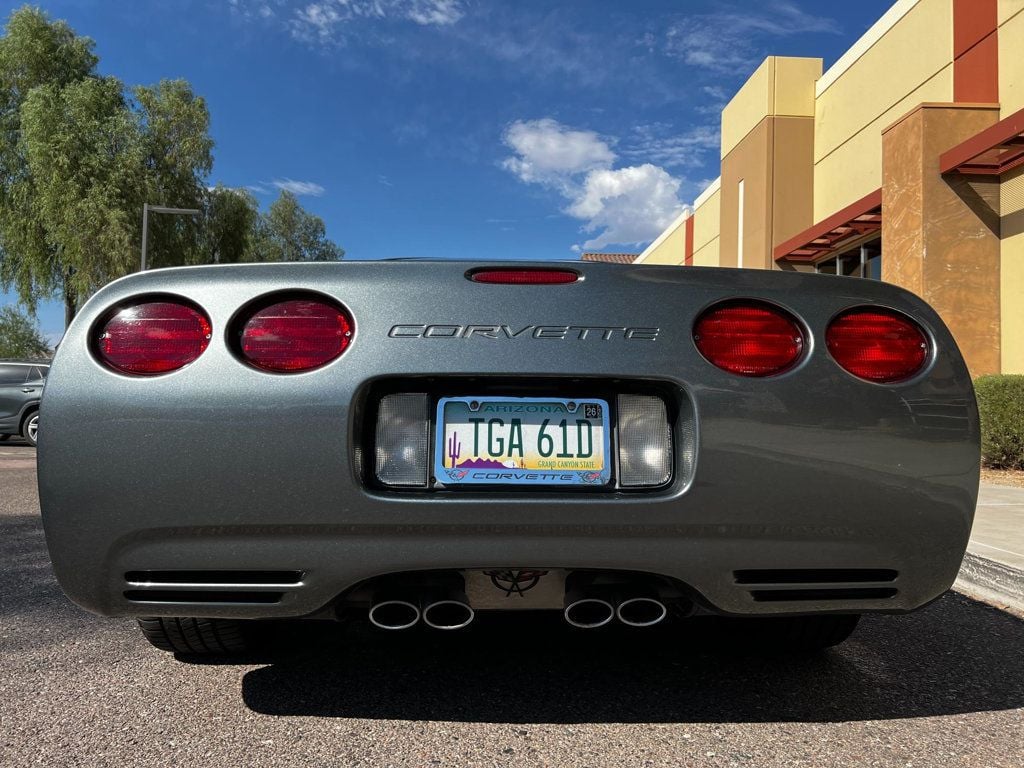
1001,404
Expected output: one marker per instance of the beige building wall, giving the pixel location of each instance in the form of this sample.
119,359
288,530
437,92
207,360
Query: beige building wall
767,156
670,247
1011,63
792,182
746,193
781,86
706,221
748,107
903,60
708,255
1011,271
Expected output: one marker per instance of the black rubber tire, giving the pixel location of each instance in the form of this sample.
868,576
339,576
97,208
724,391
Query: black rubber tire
800,634
195,637
24,427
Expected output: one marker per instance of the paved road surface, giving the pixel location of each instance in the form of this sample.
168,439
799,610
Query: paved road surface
942,687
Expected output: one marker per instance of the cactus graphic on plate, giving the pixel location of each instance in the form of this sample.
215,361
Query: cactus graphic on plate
454,448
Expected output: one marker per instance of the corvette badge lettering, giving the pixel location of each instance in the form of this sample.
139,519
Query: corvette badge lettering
557,332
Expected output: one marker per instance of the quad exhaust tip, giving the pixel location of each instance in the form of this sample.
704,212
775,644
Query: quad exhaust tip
592,601
445,606
441,604
589,612
394,614
641,611
453,613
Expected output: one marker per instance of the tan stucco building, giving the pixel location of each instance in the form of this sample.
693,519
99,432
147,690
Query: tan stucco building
904,161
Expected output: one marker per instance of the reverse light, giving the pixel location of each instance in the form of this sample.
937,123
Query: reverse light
645,441
876,344
296,335
153,337
402,447
748,338
524,276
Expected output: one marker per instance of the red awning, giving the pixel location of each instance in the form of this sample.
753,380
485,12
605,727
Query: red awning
992,152
860,218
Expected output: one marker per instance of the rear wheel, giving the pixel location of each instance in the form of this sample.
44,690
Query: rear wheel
30,428
195,636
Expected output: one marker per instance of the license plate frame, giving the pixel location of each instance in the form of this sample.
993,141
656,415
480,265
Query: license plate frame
570,470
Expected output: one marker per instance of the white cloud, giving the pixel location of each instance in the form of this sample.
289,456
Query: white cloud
250,9
323,21
434,12
299,187
727,41
548,152
716,92
316,22
657,143
629,205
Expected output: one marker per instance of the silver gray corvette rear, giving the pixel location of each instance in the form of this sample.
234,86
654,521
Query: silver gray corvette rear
226,491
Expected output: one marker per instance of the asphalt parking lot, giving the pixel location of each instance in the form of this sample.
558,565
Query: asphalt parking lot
942,687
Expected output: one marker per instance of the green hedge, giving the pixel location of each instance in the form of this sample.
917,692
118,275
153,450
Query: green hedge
1001,404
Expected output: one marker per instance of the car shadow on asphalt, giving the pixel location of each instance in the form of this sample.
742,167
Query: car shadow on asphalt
956,656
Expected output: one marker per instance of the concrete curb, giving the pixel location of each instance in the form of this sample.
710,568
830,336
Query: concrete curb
991,582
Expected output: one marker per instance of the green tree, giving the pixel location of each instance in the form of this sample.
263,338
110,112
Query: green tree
230,218
174,126
34,52
85,154
79,155
287,232
19,335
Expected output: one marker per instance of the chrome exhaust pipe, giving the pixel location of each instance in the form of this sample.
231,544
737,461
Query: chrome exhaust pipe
452,612
586,606
394,613
587,612
641,611
587,609
444,604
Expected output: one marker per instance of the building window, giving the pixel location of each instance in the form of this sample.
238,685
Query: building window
863,261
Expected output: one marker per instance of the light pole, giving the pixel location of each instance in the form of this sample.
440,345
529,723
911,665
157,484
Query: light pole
146,208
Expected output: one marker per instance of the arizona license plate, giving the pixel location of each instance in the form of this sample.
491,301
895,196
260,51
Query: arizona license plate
522,441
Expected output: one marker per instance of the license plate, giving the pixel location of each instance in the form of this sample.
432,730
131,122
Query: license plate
522,441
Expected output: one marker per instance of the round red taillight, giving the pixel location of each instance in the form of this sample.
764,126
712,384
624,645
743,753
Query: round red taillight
153,337
749,338
296,335
879,345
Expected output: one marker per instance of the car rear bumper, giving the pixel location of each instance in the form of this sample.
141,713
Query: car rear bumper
761,498
222,467
703,555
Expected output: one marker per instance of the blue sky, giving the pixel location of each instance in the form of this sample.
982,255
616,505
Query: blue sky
465,128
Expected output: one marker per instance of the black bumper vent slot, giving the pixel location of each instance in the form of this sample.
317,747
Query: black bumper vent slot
204,596
214,578
856,593
815,576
